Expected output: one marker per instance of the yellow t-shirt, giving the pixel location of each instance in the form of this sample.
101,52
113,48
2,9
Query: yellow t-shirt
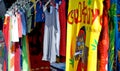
83,30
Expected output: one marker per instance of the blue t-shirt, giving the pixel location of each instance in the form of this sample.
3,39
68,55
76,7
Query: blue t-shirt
23,20
39,9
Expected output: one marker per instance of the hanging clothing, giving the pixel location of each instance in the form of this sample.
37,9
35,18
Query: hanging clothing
51,31
117,38
25,54
28,18
17,57
19,22
103,44
112,24
39,12
5,66
63,23
12,57
6,30
83,31
14,29
23,18
35,38
8,37
58,32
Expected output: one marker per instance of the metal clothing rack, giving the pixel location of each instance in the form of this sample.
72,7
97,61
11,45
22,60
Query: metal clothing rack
22,3
45,7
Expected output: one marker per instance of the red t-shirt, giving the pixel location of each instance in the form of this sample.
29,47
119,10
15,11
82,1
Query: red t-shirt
17,57
63,21
6,29
103,44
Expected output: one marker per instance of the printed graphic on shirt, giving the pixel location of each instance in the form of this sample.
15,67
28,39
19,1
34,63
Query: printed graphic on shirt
84,16
81,51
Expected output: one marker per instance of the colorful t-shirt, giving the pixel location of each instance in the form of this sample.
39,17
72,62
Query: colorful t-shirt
83,30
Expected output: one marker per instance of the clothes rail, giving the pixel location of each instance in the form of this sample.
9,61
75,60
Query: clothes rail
20,2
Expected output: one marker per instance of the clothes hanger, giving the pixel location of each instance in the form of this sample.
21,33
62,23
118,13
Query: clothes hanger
45,7
33,4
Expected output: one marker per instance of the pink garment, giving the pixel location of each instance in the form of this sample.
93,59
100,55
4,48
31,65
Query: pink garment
19,25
